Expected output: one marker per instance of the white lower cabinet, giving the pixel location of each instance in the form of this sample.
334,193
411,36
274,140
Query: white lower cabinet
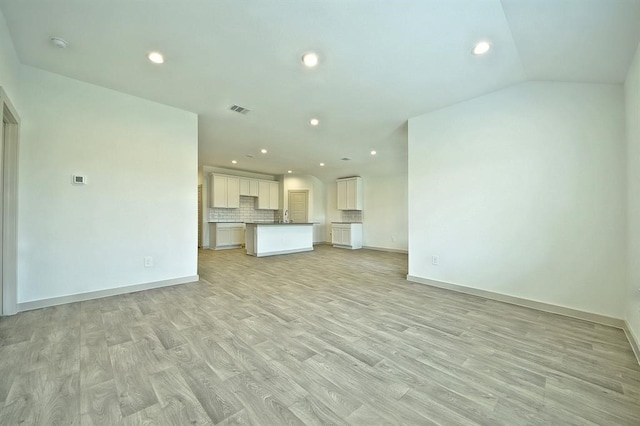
226,235
346,235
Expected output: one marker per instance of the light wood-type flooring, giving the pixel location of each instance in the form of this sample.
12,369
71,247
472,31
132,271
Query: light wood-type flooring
325,337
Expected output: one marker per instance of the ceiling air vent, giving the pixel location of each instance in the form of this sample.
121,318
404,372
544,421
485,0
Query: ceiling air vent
346,159
239,109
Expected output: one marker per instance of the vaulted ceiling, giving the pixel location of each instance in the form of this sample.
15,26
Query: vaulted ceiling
381,63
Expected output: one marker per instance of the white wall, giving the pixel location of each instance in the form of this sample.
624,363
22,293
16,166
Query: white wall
8,64
384,212
632,103
385,217
140,158
522,192
317,201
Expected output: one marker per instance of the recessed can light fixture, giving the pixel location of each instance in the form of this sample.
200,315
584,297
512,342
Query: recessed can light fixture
321,164
264,151
481,48
156,57
234,162
314,121
289,171
59,42
310,59
374,152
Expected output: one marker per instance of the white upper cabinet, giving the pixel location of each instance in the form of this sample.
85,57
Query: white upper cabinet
225,192
249,187
349,193
263,194
253,187
274,195
245,186
268,195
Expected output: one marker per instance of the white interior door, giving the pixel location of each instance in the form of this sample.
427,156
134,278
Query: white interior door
298,206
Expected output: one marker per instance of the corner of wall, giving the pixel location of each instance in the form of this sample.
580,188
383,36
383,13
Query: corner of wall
632,112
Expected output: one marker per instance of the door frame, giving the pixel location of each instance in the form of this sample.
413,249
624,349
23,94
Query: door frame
9,142
200,215
306,191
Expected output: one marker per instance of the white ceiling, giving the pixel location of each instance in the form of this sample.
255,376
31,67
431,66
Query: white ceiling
381,63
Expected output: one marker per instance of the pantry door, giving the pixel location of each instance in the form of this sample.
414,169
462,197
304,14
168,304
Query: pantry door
298,205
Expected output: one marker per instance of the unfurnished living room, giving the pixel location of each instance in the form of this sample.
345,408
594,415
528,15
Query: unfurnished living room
350,212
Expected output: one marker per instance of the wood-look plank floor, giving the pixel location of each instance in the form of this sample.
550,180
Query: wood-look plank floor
325,337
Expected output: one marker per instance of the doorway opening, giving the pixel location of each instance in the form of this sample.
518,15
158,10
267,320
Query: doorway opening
199,216
8,206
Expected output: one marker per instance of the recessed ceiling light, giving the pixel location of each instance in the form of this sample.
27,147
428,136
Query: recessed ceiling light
310,59
289,171
321,164
59,42
373,152
234,162
156,57
314,121
481,48
264,151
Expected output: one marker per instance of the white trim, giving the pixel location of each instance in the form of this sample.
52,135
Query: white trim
9,286
81,297
390,250
533,304
633,340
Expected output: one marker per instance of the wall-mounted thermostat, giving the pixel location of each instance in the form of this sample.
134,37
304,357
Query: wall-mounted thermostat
79,180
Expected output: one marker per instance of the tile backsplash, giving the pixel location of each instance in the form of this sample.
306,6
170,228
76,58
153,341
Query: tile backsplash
246,213
352,216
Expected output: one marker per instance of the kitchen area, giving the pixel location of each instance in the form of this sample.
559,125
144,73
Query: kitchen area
268,215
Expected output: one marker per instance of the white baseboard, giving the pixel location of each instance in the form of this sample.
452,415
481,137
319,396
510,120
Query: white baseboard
633,340
541,306
390,250
81,297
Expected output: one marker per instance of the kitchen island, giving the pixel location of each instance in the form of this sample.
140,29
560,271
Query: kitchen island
272,238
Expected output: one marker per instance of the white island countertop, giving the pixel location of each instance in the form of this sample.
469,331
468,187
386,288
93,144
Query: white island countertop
273,238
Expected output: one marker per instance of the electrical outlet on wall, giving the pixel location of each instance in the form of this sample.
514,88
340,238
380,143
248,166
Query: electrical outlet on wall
435,260
148,261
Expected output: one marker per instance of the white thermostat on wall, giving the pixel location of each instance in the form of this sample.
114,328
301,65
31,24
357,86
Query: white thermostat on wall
79,180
